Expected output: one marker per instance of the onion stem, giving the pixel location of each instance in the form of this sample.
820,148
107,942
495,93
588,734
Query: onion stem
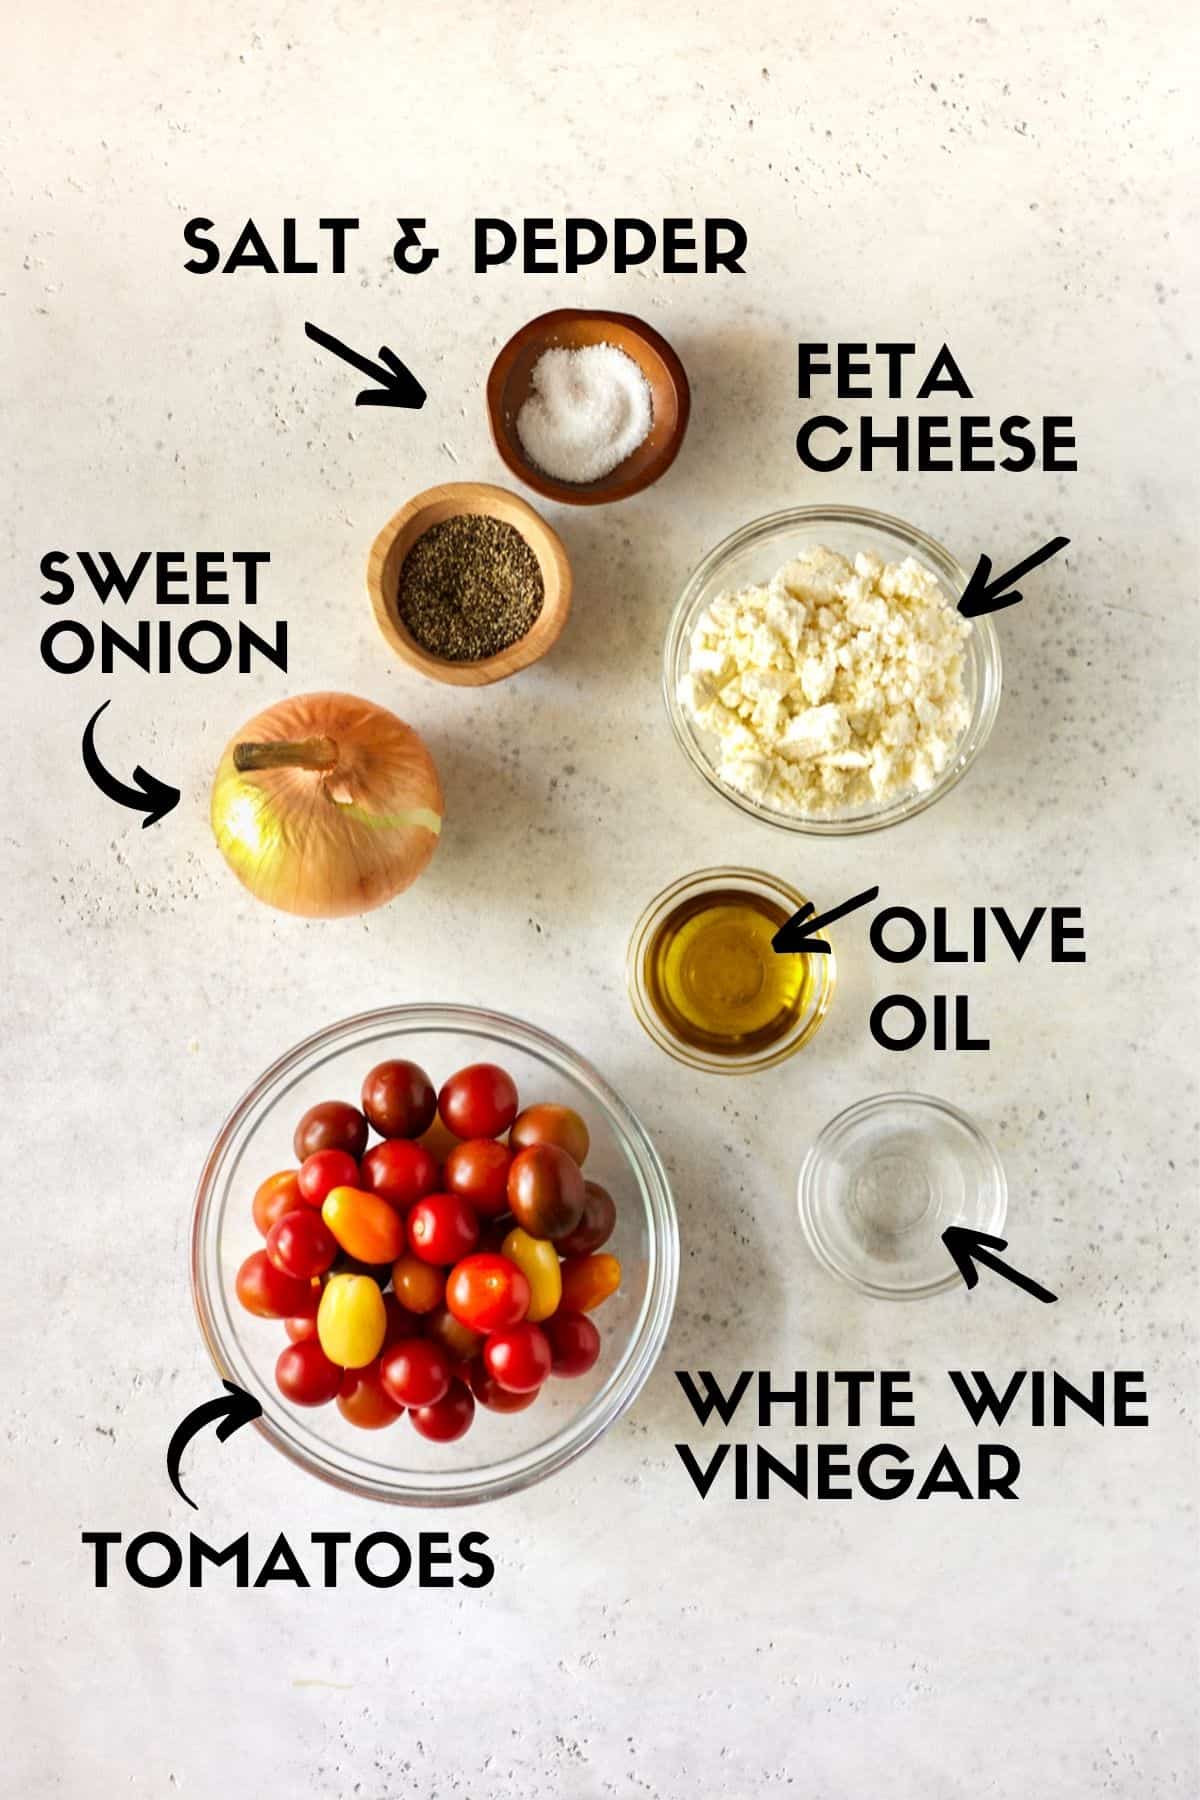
304,753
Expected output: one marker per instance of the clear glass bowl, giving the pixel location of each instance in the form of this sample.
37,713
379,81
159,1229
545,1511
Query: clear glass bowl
824,969
502,1452
881,1184
753,554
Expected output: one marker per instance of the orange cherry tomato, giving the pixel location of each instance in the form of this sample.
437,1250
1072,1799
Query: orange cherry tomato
548,1124
417,1285
363,1400
589,1280
277,1195
366,1227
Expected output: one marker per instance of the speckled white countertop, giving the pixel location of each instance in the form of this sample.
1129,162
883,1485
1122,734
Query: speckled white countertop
1010,180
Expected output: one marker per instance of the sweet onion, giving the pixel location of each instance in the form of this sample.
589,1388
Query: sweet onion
326,805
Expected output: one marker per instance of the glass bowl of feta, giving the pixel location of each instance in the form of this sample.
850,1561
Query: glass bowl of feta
818,674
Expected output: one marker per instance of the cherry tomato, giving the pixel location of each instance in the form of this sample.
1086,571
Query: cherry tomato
478,1170
277,1195
487,1292
587,1280
479,1101
363,1401
323,1170
537,1259
448,1418
399,1099
416,1284
333,1125
399,1172
492,1233
299,1329
596,1226
551,1125
441,1229
400,1322
414,1372
457,1339
305,1375
270,1294
302,1244
364,1225
489,1393
518,1359
574,1343
545,1191
351,1320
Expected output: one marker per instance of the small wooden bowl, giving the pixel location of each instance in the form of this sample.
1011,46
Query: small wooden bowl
430,508
568,329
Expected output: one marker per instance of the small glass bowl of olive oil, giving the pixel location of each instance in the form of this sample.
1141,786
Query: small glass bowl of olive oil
706,983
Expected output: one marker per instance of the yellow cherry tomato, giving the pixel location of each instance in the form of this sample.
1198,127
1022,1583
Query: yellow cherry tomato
351,1320
537,1260
588,1280
366,1227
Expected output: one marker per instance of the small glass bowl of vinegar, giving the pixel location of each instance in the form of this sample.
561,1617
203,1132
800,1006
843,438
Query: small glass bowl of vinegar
705,982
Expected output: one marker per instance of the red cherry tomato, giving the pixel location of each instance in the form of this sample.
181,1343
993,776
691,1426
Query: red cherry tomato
400,1172
487,1292
489,1393
441,1229
323,1170
399,1100
270,1294
574,1343
448,1418
518,1359
299,1329
363,1401
302,1244
415,1372
479,1101
305,1375
277,1195
478,1170
333,1125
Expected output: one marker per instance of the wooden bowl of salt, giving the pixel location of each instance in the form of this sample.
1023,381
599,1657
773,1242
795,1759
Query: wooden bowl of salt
511,381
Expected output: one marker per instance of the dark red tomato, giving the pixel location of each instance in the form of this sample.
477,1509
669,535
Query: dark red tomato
270,1294
323,1170
518,1359
302,1244
448,1418
487,1292
305,1375
551,1125
400,1322
399,1099
595,1227
415,1372
574,1343
545,1191
458,1340
399,1172
441,1229
277,1195
478,1170
299,1329
478,1102
363,1401
489,1393
332,1125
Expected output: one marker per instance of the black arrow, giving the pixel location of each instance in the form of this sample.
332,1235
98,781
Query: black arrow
234,1408
969,1247
153,797
984,596
796,936
400,386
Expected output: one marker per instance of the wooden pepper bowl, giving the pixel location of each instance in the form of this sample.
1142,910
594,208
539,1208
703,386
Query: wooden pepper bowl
568,329
414,519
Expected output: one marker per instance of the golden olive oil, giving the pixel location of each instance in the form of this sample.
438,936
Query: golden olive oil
714,980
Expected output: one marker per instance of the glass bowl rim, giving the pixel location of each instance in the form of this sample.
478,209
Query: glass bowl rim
984,647
646,1338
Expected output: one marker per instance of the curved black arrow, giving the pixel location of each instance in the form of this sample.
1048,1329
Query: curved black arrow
795,936
969,1247
983,595
153,797
234,1408
400,386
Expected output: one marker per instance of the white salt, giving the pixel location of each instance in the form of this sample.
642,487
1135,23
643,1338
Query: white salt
587,410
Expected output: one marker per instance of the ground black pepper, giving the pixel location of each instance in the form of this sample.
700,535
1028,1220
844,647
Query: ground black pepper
469,588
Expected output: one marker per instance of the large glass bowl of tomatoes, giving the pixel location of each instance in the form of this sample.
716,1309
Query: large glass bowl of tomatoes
434,1307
